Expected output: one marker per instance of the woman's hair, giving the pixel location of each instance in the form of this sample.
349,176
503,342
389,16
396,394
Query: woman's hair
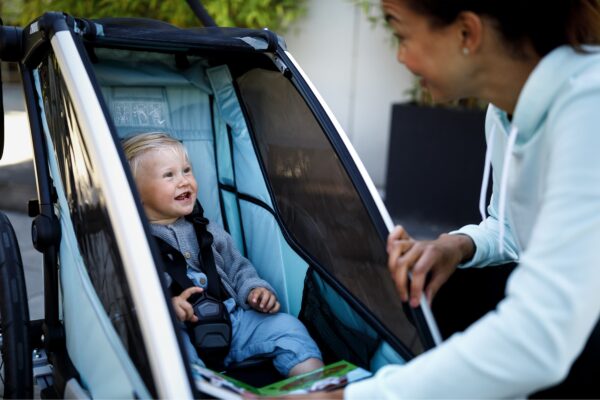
140,144
546,24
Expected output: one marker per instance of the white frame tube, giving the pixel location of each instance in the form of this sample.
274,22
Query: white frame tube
156,326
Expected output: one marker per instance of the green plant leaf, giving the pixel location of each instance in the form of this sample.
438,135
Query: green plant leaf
275,14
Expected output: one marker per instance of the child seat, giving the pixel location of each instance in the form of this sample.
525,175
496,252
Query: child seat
198,106
274,169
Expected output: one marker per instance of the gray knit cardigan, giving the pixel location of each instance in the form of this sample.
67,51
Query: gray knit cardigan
237,274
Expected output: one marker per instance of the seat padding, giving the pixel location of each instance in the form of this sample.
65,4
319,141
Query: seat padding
171,104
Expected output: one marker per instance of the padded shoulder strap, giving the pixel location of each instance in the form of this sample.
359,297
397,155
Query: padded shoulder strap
176,266
207,260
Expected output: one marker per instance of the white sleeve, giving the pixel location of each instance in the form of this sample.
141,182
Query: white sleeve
485,237
530,341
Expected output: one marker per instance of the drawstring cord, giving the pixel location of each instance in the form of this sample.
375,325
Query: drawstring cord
486,173
512,137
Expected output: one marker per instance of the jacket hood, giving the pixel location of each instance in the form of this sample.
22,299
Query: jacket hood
552,75
549,77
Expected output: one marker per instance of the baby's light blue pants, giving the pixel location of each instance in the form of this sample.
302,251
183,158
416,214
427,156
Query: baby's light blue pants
280,336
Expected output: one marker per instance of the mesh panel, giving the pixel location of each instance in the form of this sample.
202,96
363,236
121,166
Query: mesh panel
317,200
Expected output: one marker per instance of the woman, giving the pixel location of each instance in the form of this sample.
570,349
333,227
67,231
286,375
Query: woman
532,62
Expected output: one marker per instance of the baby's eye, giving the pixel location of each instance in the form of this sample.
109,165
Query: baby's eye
168,175
187,170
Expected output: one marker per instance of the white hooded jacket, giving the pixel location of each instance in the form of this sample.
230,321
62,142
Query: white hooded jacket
545,213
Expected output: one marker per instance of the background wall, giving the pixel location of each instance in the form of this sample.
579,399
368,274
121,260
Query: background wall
353,65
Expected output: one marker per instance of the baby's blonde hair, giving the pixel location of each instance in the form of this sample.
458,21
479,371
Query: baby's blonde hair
140,144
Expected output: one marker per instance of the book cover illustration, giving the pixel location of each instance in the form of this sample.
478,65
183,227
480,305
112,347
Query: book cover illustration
330,377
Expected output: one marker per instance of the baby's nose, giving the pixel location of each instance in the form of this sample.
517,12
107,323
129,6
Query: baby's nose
184,179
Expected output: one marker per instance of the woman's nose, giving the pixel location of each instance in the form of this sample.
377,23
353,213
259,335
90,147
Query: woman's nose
400,55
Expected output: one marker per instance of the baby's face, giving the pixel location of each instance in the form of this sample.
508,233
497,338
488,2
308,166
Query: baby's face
166,185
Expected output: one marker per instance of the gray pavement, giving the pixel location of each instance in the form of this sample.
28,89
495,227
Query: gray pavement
32,263
17,187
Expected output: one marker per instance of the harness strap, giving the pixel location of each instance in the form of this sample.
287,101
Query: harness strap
206,257
177,266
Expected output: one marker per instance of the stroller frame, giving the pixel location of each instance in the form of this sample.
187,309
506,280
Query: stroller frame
68,39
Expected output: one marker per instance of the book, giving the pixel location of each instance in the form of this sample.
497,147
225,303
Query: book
329,377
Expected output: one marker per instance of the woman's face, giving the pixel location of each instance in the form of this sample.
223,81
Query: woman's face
434,54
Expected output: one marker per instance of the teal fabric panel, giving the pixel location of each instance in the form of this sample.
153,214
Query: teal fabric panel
385,355
196,75
230,206
272,257
248,175
224,161
138,109
119,68
190,117
295,273
343,311
226,177
189,112
173,102
264,249
275,261
92,343
183,112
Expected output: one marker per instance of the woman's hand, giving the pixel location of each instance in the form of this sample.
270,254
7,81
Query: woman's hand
183,309
436,257
263,300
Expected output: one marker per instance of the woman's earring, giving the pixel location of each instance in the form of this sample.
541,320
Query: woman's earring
466,51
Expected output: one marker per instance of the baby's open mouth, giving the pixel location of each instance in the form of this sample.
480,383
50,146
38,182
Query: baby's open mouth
184,196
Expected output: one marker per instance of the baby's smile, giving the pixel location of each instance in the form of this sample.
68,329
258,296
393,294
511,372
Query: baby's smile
184,196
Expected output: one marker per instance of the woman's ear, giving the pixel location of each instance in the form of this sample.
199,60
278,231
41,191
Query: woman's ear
470,27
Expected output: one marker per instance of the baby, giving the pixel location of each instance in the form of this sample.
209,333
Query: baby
168,190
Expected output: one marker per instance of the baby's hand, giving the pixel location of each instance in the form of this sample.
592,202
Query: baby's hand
263,300
183,309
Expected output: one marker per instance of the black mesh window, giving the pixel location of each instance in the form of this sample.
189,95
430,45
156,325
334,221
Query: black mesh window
96,240
317,200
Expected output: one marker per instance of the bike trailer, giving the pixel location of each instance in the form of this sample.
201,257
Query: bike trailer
274,168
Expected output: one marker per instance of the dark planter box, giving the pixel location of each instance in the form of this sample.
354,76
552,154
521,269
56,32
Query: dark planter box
435,166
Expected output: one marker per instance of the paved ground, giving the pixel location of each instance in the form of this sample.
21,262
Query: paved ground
32,262
17,179
17,186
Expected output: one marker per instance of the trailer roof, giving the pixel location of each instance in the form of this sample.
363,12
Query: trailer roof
140,29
